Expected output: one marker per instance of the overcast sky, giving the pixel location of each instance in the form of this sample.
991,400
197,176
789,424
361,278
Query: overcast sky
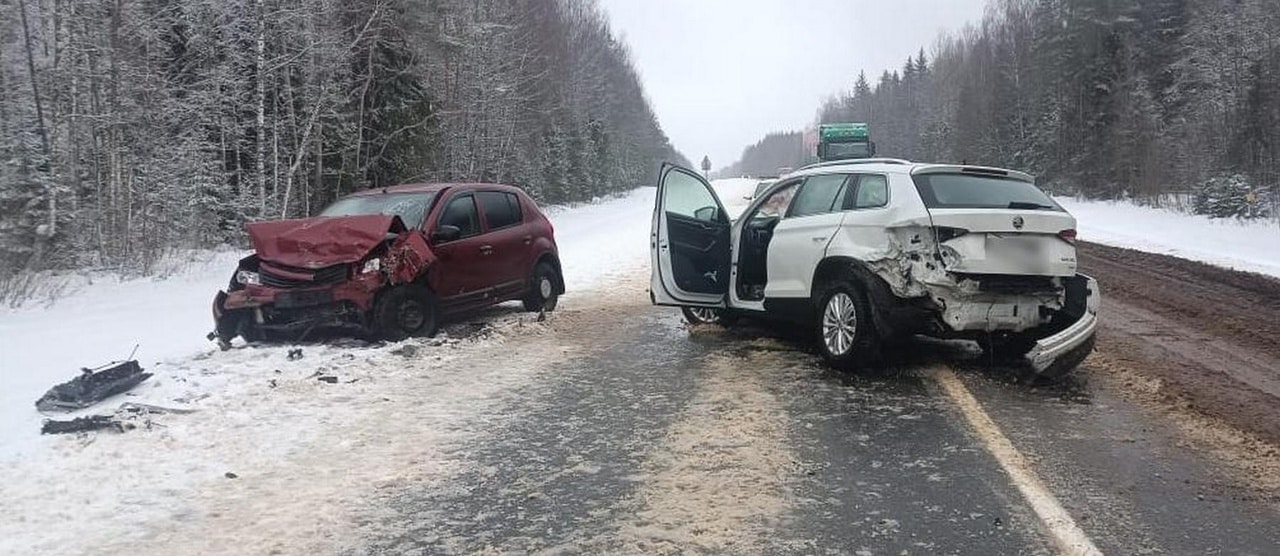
722,73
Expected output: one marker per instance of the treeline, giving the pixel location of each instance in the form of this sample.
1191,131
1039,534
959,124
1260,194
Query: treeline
131,128
775,151
1104,98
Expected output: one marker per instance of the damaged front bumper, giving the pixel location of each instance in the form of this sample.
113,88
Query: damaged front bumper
256,311
1061,352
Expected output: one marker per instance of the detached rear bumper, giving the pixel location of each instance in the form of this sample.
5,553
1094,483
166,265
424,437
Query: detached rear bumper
1061,352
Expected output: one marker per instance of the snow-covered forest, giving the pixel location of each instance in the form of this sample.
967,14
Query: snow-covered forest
766,156
1102,98
128,129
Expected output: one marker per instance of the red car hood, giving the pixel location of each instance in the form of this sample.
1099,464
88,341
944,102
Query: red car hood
321,241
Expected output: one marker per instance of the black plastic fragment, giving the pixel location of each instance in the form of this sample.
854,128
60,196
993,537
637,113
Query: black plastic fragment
92,387
82,424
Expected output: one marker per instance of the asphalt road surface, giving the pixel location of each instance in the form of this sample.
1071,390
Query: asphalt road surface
650,437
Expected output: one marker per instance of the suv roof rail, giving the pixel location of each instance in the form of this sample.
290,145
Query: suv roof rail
855,161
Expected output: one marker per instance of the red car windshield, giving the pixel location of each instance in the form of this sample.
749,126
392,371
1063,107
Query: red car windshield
410,207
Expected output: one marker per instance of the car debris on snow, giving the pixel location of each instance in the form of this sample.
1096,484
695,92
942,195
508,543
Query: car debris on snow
406,351
125,418
84,424
93,386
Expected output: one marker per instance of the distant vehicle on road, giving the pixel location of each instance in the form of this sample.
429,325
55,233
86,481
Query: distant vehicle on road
390,263
868,250
845,142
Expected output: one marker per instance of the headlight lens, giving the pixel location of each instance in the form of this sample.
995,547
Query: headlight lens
371,265
248,278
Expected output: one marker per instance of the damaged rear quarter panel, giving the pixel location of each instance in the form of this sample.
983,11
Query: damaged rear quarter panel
895,241
899,244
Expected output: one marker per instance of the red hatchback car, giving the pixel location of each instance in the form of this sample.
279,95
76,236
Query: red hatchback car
391,263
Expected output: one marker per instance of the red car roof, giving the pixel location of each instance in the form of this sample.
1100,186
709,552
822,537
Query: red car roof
430,187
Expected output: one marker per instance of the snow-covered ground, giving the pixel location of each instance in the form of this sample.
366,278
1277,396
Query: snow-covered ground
1248,246
253,407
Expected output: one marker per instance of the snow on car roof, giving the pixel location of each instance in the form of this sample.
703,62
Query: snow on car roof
898,166
429,187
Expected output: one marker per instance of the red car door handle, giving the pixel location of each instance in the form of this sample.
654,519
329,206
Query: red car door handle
486,249
528,240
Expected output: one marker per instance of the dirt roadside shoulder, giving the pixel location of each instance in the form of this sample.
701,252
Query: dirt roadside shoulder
1199,342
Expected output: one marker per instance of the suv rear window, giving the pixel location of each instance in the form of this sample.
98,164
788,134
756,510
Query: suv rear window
972,191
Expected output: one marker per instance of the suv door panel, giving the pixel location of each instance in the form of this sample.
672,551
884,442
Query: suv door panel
800,241
689,242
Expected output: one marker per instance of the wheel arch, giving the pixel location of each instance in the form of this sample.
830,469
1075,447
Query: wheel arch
551,258
879,295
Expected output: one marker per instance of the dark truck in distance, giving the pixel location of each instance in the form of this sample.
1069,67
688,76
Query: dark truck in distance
390,263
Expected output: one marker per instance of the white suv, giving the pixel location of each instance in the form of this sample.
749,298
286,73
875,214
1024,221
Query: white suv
868,250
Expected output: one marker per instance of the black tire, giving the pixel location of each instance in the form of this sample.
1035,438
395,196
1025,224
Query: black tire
542,289
855,344
406,311
698,316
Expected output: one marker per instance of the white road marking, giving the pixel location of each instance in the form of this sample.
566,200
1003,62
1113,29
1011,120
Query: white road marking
1070,538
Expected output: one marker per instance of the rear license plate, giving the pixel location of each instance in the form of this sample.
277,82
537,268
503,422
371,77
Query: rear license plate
290,300
1014,248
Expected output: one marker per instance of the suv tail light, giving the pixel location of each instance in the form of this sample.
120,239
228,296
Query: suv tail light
947,234
1068,236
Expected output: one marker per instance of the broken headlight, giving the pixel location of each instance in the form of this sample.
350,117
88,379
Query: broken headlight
371,265
248,278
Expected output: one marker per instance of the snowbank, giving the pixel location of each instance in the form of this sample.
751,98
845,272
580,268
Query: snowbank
97,324
1248,246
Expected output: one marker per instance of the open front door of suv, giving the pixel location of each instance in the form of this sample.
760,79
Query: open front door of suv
689,242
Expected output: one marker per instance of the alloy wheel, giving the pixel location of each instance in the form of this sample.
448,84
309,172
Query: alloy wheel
706,315
839,324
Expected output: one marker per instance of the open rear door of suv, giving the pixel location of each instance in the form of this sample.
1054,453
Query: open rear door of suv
689,242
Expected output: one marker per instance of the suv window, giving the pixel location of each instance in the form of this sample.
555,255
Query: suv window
873,191
687,197
461,212
775,205
500,209
970,191
819,195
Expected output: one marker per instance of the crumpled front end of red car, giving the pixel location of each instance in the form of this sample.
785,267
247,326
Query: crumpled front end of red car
317,274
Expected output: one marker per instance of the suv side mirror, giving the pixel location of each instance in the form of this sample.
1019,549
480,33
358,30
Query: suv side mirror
446,233
707,214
